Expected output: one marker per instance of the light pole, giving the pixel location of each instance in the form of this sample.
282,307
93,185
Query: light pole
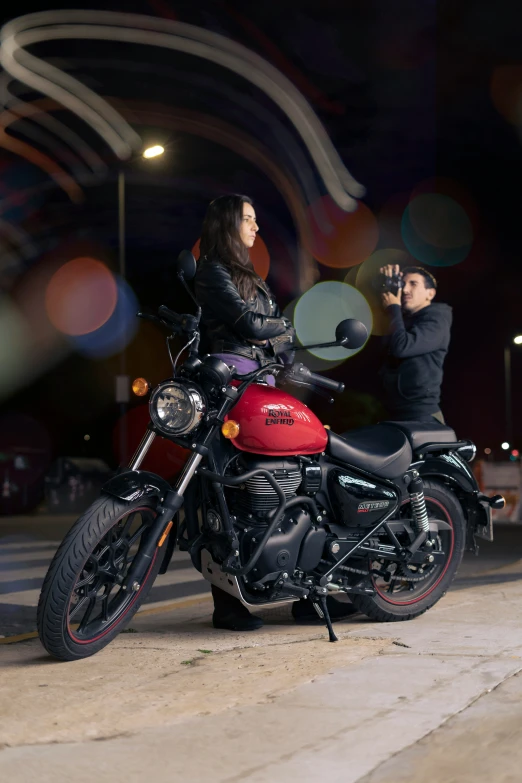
507,381
122,380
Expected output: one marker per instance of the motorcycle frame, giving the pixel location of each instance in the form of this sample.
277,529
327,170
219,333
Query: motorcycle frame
134,484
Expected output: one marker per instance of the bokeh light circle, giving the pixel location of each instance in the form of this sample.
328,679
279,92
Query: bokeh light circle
440,220
366,276
447,186
309,359
436,230
117,332
80,296
259,256
320,309
341,239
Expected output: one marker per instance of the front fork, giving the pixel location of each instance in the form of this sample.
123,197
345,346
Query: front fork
173,499
169,507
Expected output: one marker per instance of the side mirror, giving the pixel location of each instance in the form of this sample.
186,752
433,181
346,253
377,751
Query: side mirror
351,333
186,265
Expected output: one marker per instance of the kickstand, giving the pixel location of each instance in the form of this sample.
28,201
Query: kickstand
321,607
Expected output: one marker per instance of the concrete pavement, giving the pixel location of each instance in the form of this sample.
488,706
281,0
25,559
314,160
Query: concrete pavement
178,701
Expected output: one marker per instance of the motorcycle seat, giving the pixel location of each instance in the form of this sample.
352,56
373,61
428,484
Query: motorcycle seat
420,433
380,449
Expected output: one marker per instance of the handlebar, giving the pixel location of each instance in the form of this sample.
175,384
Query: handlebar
178,323
169,315
297,373
304,375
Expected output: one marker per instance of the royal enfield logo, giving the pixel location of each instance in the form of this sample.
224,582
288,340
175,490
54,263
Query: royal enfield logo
372,505
280,417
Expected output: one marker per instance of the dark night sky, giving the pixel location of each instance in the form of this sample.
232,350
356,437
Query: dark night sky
402,88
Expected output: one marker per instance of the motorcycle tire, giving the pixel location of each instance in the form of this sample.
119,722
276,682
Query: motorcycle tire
90,565
406,604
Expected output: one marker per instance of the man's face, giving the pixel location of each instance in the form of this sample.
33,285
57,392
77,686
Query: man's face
415,295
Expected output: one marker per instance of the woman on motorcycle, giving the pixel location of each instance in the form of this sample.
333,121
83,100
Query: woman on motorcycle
243,326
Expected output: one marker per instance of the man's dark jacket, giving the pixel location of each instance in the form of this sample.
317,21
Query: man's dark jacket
412,372
230,324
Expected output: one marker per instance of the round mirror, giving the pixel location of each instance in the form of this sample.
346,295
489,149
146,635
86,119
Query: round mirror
352,333
186,265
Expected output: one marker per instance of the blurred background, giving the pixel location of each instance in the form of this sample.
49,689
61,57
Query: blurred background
420,102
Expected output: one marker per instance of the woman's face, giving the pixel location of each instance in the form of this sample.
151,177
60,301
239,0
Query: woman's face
248,227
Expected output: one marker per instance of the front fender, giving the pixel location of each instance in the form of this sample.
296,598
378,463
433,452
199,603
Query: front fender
135,484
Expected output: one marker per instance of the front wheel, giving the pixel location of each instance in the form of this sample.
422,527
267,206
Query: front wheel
82,605
403,594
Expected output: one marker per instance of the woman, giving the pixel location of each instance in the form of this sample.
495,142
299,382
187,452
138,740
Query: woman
243,326
241,321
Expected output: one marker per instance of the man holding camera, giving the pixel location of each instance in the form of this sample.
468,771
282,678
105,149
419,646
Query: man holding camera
417,344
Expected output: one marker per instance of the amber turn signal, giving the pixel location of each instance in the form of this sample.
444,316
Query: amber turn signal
140,387
230,429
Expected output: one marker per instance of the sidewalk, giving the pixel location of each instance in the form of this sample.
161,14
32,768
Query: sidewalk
179,701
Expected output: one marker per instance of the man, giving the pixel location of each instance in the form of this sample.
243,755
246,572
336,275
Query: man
417,346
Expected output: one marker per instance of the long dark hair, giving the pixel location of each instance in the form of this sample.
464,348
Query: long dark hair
220,241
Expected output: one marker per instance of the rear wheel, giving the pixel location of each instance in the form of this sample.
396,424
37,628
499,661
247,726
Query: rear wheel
402,593
82,605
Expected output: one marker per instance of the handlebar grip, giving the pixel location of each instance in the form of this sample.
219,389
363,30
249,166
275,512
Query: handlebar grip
170,315
326,383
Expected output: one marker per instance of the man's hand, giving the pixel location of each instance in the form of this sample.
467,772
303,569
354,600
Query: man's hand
388,298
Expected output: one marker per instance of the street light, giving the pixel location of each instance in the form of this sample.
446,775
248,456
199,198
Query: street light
153,152
122,380
505,445
507,379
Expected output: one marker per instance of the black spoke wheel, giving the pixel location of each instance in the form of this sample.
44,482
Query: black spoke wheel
403,592
83,604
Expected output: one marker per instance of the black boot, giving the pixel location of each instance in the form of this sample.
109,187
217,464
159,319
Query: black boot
230,614
304,612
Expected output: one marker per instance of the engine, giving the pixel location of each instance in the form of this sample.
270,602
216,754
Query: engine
296,543
257,497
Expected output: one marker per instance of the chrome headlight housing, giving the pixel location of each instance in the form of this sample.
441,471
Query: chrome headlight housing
177,408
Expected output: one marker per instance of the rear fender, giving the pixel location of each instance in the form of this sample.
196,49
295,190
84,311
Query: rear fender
135,485
451,469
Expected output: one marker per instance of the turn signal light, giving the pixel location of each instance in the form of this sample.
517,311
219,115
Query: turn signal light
230,429
140,387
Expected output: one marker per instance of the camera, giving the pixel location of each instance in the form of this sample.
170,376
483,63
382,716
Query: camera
388,283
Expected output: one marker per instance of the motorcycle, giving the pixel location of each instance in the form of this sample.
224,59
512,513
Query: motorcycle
271,506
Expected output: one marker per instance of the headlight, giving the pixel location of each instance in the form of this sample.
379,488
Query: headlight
176,408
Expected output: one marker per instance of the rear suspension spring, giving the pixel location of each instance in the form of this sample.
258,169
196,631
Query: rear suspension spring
418,503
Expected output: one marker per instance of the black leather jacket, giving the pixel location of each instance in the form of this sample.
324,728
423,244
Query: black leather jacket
230,324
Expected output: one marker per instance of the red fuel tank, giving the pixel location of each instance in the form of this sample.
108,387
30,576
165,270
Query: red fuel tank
274,423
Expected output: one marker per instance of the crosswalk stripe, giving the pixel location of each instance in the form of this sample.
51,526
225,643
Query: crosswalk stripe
49,553
25,557
33,544
181,576
173,575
